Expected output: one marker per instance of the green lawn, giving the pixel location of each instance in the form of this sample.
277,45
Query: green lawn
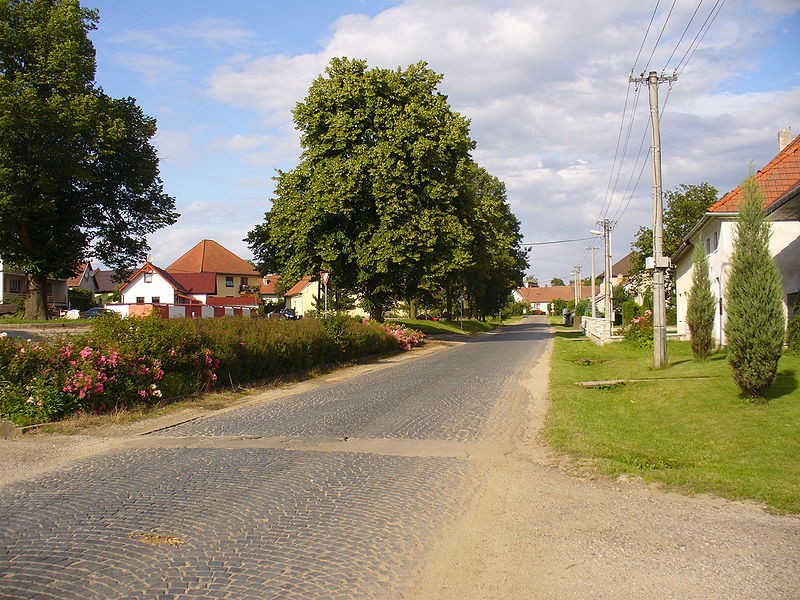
466,327
686,426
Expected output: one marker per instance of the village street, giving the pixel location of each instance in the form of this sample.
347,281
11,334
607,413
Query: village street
422,477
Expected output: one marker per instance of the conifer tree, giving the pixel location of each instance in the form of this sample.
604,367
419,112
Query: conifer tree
756,325
700,309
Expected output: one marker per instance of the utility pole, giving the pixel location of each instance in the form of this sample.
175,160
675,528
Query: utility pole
577,271
594,303
660,263
609,307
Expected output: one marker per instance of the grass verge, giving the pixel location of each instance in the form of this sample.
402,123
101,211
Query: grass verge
465,327
686,426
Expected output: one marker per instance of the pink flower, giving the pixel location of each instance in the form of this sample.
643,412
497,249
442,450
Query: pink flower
85,353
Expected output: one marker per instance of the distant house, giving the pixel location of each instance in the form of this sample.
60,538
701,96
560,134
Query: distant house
107,286
779,182
232,275
304,295
620,272
154,285
541,298
14,289
269,288
84,279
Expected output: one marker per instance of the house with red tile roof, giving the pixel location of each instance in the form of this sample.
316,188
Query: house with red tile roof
540,298
779,182
154,285
233,275
304,295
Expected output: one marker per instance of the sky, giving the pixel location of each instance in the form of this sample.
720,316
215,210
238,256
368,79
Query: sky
544,83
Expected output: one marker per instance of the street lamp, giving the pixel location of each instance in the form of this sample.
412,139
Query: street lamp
606,233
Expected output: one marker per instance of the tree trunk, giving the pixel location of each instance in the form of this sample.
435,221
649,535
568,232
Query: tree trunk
36,300
412,309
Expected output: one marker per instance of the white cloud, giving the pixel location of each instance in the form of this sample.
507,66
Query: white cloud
544,85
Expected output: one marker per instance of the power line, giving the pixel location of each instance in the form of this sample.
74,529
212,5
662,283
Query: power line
701,34
689,24
555,242
655,46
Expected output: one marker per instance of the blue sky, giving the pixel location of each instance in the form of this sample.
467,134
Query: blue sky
543,83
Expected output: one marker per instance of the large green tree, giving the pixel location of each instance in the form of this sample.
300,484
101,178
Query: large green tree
78,175
375,199
683,208
756,324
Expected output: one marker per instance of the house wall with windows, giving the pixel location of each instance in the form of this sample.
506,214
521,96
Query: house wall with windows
14,288
148,288
232,284
716,238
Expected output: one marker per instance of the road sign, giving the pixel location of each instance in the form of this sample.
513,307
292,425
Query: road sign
324,276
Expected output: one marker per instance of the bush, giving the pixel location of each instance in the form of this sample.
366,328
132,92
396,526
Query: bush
122,362
630,310
793,331
639,332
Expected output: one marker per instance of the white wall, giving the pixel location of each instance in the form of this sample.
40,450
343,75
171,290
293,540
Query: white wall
157,288
784,247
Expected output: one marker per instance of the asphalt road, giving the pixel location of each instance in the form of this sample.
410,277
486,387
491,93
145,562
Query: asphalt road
334,493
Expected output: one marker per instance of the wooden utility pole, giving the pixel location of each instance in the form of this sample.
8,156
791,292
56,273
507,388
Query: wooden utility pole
660,263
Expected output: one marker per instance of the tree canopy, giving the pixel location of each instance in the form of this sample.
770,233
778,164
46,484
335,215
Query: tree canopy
386,196
78,175
684,206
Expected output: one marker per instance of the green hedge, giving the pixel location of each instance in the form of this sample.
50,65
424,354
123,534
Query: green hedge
121,362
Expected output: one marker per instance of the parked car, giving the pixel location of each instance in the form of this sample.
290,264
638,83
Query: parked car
97,311
424,317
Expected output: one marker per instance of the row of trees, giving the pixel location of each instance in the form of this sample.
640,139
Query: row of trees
387,198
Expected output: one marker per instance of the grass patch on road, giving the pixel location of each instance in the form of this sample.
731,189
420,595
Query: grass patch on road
686,426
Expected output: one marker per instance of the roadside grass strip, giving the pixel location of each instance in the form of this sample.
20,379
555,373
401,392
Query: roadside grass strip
686,426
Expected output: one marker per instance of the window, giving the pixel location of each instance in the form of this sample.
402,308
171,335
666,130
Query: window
708,245
243,281
148,278
229,281
15,285
155,299
139,299
715,244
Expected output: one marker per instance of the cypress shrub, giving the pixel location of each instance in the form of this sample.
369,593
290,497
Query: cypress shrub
756,327
700,309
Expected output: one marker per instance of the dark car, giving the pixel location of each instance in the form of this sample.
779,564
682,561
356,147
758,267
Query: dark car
97,311
288,313
425,317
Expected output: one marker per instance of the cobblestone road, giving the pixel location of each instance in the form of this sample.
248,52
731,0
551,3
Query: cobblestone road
229,514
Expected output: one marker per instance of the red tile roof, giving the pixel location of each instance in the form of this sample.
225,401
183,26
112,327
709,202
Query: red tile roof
299,286
207,256
269,285
196,283
555,292
779,177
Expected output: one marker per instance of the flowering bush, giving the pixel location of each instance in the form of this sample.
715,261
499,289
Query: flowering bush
639,331
144,360
406,337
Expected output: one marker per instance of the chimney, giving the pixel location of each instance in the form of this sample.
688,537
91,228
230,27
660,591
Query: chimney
784,138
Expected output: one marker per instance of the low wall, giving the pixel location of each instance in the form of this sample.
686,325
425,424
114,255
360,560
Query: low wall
182,311
598,330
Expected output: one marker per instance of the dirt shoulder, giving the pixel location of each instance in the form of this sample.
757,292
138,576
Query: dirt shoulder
540,527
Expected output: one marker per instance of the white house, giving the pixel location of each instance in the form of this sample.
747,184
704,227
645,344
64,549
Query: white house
779,182
154,285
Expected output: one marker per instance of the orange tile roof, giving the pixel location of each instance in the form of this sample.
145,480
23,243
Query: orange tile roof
299,286
233,301
554,292
269,285
779,177
207,256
